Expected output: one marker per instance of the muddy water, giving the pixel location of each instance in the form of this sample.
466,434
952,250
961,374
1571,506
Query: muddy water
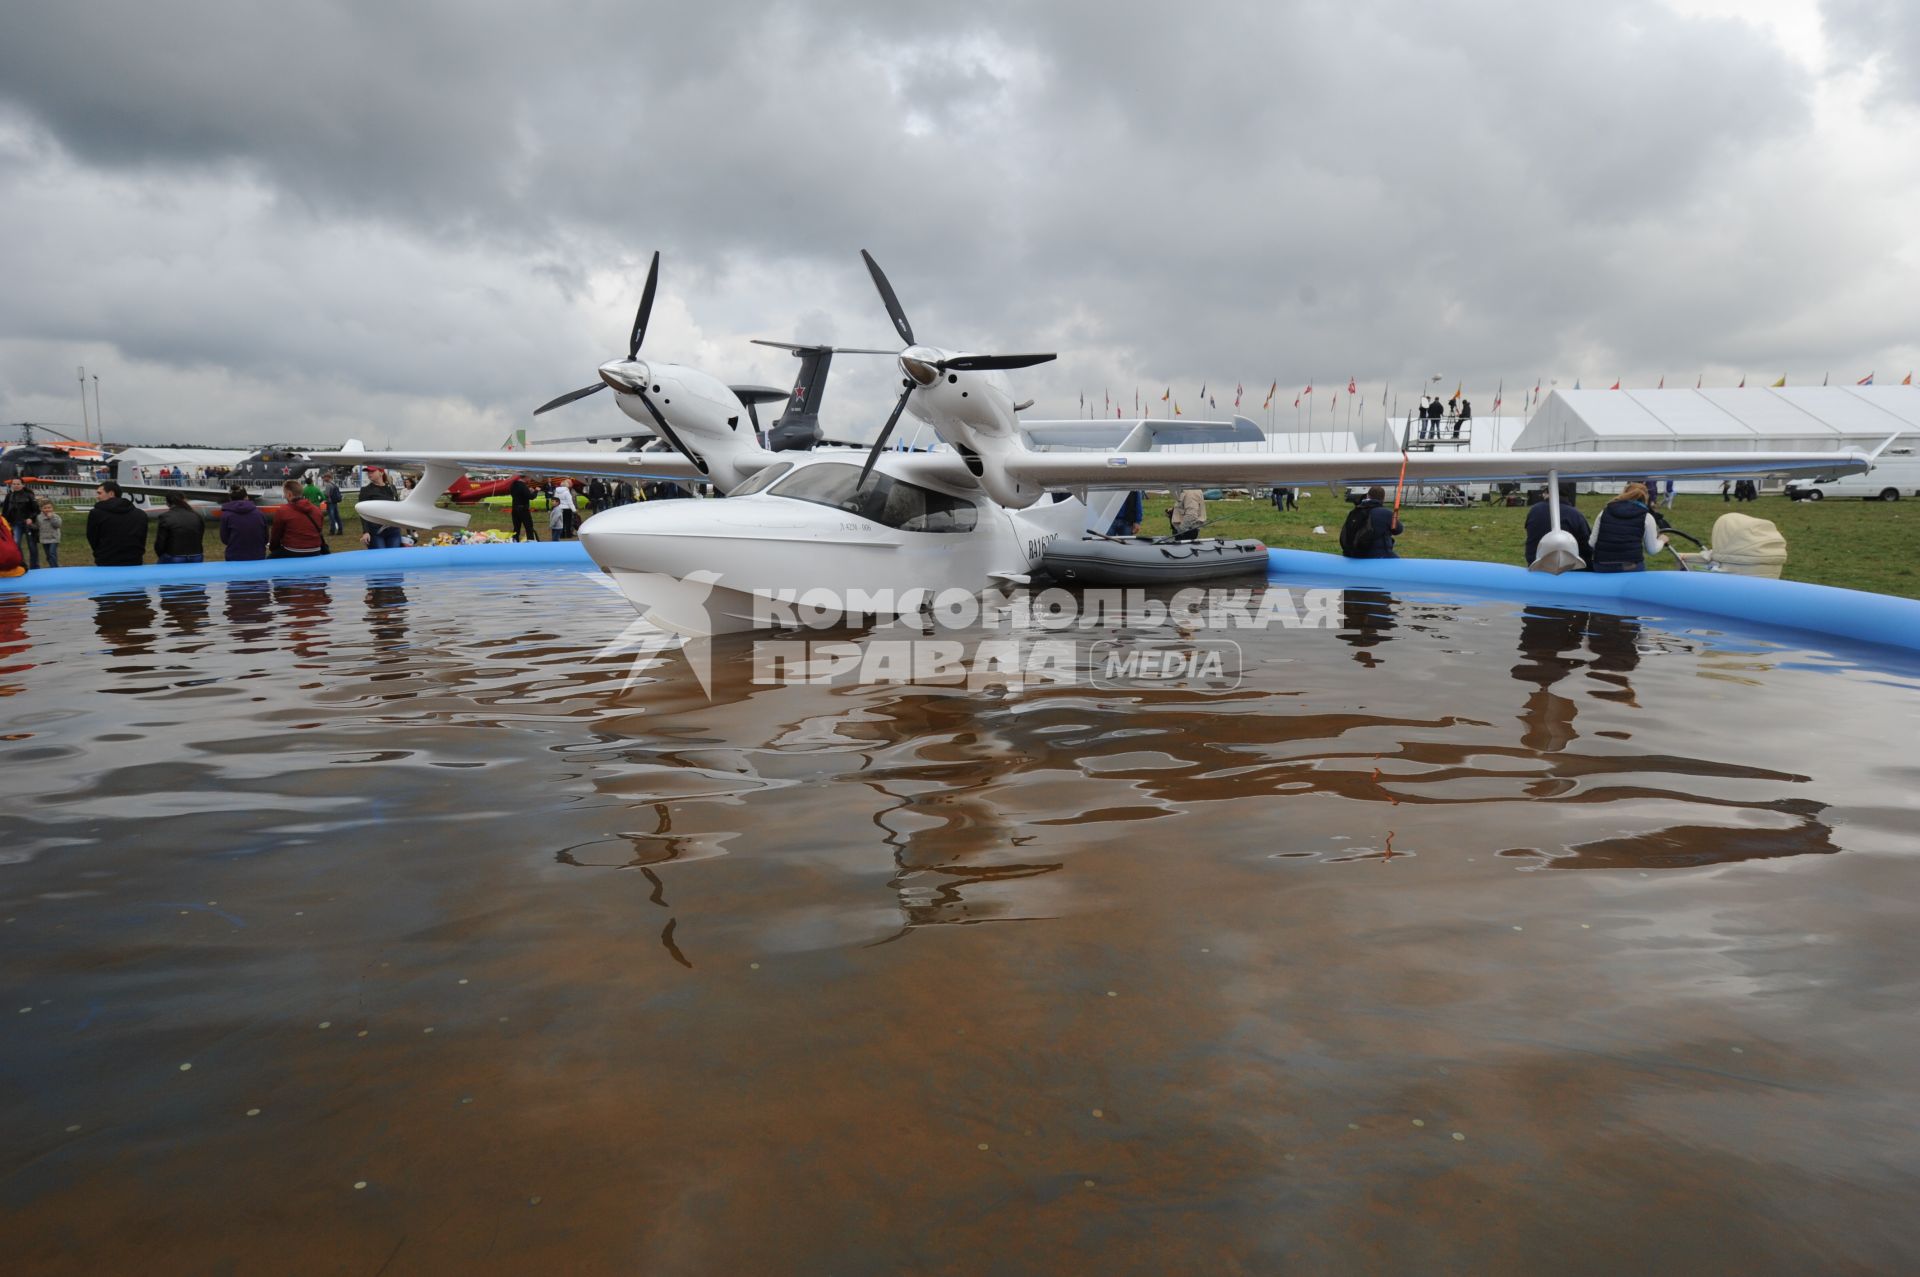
354,927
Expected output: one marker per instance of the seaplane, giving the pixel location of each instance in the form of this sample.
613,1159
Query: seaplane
889,529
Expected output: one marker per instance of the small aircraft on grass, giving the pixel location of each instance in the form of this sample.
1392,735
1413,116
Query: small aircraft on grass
900,528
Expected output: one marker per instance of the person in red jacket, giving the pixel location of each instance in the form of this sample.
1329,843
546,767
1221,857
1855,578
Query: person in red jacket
296,526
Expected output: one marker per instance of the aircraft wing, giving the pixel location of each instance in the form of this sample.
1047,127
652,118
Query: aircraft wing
1198,469
613,465
1079,433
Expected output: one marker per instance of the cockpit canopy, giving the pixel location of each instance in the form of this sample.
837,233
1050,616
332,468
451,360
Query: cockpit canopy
893,502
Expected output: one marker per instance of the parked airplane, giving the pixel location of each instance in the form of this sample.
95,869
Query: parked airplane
901,527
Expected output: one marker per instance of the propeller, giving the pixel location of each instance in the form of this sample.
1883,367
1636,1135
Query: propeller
631,376
921,371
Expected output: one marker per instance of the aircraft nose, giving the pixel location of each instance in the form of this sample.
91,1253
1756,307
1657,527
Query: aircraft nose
628,376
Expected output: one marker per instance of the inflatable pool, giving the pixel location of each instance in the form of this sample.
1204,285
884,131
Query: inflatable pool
1746,603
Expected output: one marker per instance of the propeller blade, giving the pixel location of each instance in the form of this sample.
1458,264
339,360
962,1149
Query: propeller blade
666,432
570,396
880,442
646,306
991,363
886,295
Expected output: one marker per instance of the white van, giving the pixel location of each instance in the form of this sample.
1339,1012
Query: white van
1895,475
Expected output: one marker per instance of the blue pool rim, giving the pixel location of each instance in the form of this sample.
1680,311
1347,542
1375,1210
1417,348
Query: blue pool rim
1775,610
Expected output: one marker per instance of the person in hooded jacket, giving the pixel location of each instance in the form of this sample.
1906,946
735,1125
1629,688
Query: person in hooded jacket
116,529
177,536
244,527
1626,532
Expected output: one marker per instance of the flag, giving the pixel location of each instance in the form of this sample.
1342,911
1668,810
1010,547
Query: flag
1500,390
1781,382
1236,394
1865,381
1907,380
1576,383
1203,390
1136,401
1106,402
1083,401
1697,380
1456,392
1168,396
1176,409
1743,382
1352,389
1824,376
1663,382
1212,404
1270,392
1616,384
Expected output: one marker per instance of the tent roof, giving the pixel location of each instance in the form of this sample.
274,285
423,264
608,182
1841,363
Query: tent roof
1841,415
189,457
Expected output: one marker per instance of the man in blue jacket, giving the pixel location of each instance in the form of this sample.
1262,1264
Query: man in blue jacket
1370,528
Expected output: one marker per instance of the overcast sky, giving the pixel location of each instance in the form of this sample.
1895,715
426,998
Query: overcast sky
414,222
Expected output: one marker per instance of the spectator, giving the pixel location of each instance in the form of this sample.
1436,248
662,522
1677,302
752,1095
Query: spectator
12,563
1626,532
1464,417
21,508
373,535
1126,522
298,527
520,494
48,528
331,495
1539,523
312,491
244,527
1189,514
177,534
562,517
1371,527
116,529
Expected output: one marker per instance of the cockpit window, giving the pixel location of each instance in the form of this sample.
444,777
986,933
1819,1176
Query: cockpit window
894,502
762,479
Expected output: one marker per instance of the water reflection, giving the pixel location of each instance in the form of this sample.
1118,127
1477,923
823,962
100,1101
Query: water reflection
386,612
14,642
1367,620
124,622
186,608
249,609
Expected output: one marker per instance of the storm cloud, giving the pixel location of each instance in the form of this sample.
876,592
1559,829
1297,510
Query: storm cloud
416,222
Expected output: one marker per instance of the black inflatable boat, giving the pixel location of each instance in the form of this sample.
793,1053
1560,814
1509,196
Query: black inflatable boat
1151,560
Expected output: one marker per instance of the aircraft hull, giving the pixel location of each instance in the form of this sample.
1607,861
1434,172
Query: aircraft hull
699,568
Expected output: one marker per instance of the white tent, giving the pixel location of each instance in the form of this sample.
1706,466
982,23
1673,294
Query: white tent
1763,419
149,460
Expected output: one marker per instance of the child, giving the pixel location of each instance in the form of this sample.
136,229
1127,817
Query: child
49,525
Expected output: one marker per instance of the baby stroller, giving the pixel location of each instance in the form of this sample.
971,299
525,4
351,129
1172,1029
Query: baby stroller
1743,545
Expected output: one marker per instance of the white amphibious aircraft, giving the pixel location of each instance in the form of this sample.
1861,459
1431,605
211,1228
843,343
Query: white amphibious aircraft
886,532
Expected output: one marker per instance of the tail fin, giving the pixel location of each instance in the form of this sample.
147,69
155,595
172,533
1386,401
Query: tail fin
798,426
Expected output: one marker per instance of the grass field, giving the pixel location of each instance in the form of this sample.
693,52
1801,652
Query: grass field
1862,545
